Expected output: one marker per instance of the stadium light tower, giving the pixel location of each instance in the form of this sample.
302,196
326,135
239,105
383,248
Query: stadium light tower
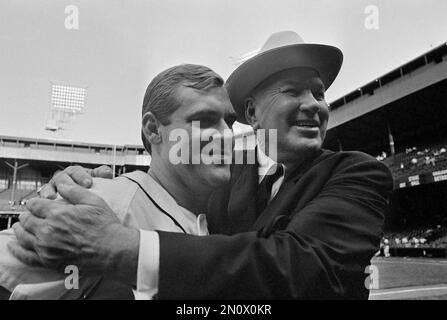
66,101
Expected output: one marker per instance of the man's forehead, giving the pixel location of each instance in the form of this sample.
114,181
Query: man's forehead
296,76
213,99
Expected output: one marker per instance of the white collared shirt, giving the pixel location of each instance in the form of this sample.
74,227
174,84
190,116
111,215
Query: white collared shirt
266,165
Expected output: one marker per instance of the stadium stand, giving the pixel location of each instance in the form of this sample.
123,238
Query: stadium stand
417,161
27,163
401,119
417,238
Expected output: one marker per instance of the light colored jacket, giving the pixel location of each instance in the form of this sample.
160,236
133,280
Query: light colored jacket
138,201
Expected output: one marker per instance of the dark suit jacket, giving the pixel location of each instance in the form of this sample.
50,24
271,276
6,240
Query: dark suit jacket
313,241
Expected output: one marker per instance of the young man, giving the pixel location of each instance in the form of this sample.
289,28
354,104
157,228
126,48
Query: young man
186,99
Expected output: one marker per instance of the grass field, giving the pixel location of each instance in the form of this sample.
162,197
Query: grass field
410,278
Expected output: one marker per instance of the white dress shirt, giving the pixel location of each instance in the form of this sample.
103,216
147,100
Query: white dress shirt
266,167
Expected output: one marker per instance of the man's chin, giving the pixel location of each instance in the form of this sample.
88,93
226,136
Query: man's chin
306,146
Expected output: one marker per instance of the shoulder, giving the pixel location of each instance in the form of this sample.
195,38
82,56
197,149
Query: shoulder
357,167
117,193
112,187
347,156
343,159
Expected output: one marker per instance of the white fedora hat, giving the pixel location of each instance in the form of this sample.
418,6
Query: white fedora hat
282,50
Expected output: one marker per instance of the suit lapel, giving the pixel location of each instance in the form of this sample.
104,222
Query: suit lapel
289,195
281,204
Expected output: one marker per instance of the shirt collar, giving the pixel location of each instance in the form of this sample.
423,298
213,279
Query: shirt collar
199,222
189,221
265,164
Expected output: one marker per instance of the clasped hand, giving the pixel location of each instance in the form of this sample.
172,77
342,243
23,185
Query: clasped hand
83,231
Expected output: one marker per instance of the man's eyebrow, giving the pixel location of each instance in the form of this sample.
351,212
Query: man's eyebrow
314,83
317,84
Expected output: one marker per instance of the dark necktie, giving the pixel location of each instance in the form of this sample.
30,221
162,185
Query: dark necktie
265,187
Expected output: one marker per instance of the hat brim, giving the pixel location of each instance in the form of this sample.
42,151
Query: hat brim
326,60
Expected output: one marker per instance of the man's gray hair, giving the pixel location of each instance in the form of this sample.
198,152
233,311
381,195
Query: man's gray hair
160,98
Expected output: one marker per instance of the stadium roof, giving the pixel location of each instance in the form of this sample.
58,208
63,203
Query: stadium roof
435,55
40,141
416,119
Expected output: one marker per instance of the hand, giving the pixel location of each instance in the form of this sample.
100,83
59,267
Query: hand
73,175
85,233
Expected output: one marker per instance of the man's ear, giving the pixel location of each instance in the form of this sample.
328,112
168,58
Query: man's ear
151,128
250,112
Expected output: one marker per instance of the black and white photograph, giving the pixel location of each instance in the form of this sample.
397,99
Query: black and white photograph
223,151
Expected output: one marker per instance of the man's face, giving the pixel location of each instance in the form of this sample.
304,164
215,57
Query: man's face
292,101
200,113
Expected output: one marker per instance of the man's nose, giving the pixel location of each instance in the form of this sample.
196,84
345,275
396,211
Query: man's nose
226,132
309,104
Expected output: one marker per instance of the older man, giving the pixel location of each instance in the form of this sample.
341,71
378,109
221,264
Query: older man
303,223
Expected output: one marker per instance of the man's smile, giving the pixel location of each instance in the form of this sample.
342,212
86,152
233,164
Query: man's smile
307,126
307,123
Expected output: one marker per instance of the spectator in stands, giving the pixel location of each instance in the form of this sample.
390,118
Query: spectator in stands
429,160
386,248
311,239
382,156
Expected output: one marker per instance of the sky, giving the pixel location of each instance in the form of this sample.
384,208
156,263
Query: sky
120,45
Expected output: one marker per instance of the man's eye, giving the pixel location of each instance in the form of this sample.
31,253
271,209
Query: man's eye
319,95
291,92
207,122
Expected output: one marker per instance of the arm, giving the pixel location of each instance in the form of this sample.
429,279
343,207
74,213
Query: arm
85,233
322,253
